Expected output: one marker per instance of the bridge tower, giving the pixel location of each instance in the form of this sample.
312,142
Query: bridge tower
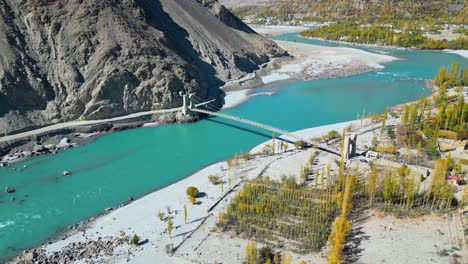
349,146
187,104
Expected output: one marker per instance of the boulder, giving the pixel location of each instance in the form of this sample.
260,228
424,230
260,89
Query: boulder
66,173
49,146
63,144
38,148
9,190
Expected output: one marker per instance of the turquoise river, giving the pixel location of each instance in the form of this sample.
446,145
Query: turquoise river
136,162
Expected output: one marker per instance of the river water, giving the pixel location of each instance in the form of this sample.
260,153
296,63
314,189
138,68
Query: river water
136,162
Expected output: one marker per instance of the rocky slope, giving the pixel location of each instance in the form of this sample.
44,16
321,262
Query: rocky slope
87,59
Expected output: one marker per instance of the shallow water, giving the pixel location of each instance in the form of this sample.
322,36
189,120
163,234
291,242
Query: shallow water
135,162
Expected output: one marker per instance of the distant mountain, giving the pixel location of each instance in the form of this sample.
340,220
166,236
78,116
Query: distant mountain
88,59
364,10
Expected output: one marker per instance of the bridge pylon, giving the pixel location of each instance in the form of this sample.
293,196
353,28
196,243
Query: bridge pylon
187,104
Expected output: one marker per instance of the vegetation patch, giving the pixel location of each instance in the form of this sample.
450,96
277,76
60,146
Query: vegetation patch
282,214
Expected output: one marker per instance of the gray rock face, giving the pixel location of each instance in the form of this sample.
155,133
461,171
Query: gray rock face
87,59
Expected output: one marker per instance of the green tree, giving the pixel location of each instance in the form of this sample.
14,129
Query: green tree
135,240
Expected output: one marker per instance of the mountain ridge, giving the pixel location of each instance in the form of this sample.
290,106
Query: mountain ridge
84,59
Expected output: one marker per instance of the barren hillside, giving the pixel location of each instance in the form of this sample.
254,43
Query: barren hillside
86,59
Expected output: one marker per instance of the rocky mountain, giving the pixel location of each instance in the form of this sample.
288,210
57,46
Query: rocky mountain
88,59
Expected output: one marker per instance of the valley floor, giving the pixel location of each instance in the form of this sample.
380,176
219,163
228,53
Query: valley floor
378,238
195,241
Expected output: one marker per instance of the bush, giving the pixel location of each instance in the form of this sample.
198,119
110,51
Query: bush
264,253
391,133
387,149
161,216
192,200
169,248
432,151
246,156
267,149
298,144
403,171
135,240
462,134
448,134
214,179
289,181
333,134
376,118
192,191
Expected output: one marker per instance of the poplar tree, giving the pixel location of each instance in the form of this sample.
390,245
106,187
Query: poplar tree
251,252
276,258
169,227
273,142
341,227
441,76
384,119
372,180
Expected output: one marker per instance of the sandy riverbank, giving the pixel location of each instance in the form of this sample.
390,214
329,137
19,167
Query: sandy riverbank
308,62
317,62
274,30
463,53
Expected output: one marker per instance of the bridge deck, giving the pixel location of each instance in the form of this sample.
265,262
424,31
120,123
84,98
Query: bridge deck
282,132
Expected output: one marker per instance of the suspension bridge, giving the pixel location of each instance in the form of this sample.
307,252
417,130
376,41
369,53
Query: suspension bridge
192,103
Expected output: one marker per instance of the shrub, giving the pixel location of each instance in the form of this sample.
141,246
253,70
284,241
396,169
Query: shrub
246,156
169,248
264,253
222,218
267,149
192,191
376,118
214,179
432,150
391,133
462,134
192,200
161,216
135,240
333,134
298,144
123,236
448,134
387,149
403,171
289,181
